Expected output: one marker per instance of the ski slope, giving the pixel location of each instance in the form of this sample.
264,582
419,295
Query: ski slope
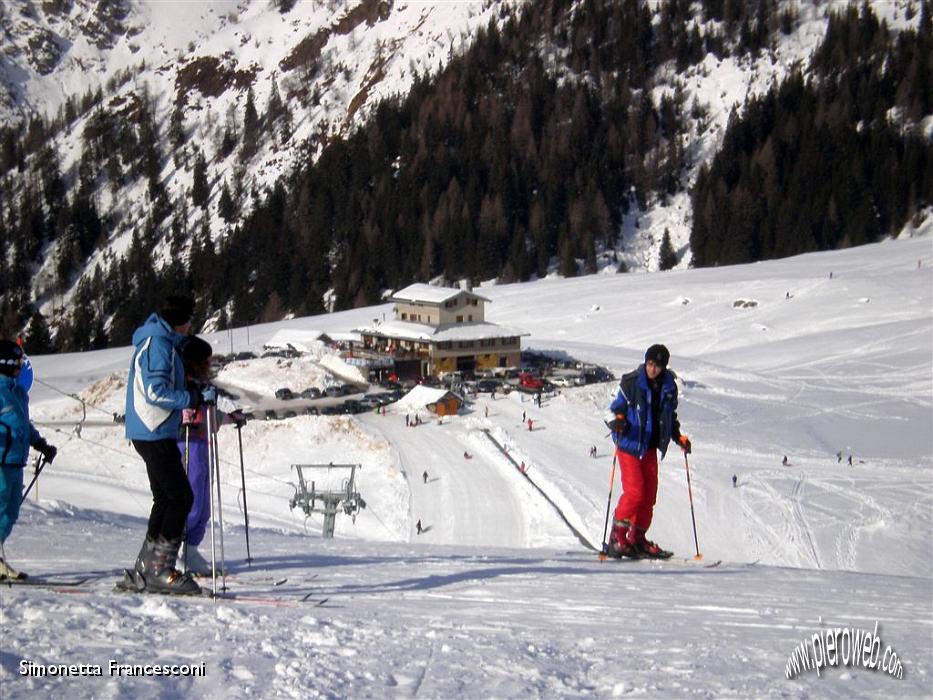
498,597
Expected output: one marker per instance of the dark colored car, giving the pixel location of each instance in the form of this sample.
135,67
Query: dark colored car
284,394
488,386
311,393
592,375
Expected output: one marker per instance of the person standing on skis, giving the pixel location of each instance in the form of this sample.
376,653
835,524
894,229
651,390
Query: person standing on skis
17,435
194,445
155,395
644,421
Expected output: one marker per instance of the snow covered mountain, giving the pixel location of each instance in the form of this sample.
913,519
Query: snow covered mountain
197,69
825,353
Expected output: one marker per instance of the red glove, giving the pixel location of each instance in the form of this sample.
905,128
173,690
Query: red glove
684,443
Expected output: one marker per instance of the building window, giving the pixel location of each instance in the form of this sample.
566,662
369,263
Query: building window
487,343
404,317
459,319
470,317
445,345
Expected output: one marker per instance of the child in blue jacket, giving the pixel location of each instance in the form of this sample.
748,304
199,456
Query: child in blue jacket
17,435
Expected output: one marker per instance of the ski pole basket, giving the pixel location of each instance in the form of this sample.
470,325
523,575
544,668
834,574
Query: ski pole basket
312,499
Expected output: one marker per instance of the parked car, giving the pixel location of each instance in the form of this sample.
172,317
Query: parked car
311,411
369,402
566,380
488,386
271,415
330,410
529,381
245,355
592,375
334,391
284,394
290,414
352,406
312,392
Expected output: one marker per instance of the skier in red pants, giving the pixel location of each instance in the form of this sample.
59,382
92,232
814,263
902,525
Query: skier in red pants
644,421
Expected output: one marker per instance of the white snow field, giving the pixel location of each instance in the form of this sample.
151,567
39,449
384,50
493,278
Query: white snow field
499,597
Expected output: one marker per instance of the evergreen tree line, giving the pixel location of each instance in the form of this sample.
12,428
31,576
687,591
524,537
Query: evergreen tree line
821,163
525,150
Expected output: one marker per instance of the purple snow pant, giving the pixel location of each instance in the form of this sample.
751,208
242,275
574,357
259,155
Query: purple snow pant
198,477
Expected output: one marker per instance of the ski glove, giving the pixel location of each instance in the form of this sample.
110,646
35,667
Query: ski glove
209,395
619,424
46,450
684,443
238,418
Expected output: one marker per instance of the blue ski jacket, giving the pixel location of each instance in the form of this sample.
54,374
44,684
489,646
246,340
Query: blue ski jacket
634,402
16,432
155,388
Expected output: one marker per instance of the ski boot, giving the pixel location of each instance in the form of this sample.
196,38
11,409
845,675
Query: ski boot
195,563
160,573
144,552
620,544
8,573
648,549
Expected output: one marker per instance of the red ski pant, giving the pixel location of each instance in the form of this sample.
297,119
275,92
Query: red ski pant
639,488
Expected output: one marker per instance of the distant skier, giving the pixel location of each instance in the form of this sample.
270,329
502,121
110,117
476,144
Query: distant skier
17,435
425,476
531,425
467,455
850,460
418,527
839,457
735,480
784,461
644,421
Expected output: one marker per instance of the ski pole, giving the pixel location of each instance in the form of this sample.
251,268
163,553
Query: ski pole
212,411
692,515
39,465
239,434
612,478
187,447
210,486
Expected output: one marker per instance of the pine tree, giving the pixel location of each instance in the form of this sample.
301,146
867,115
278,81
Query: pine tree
200,188
667,258
38,339
225,207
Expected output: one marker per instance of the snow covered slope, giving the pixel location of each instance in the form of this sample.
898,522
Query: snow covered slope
498,597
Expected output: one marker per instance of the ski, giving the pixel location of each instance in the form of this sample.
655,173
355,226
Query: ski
699,563
46,582
130,585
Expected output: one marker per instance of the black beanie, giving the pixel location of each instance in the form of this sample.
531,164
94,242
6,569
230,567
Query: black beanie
658,354
11,355
177,310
